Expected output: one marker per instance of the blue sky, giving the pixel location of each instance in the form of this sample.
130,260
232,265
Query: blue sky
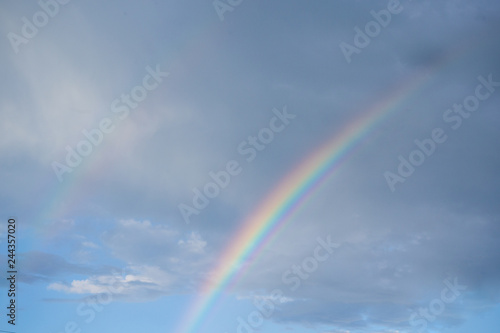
115,116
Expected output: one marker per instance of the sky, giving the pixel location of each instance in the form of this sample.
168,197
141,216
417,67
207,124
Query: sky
250,166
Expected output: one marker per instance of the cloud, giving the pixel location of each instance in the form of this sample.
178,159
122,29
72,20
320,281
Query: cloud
141,283
90,245
158,261
194,243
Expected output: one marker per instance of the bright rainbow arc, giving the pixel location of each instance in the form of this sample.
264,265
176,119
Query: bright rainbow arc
270,218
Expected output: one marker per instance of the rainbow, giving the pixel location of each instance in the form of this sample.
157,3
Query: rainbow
272,215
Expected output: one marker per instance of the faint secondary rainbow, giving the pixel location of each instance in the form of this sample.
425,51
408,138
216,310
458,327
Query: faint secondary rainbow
60,198
273,213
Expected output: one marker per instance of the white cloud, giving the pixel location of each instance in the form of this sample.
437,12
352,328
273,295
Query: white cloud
194,243
139,284
90,245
